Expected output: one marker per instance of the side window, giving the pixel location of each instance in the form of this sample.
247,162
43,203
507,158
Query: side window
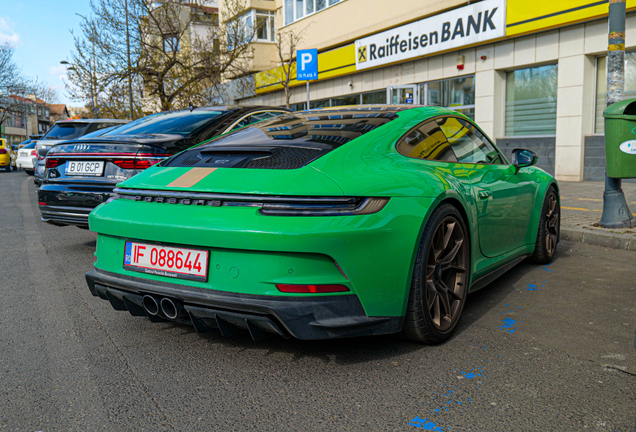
427,142
265,115
244,122
468,144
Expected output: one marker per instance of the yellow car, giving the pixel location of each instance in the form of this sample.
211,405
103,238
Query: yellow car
7,156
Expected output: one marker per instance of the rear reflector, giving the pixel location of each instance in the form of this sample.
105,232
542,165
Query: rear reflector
311,289
51,163
42,203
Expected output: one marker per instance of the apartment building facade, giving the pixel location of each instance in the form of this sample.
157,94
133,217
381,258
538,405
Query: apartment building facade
532,76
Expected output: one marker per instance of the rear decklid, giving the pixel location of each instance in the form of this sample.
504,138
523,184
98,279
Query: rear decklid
100,160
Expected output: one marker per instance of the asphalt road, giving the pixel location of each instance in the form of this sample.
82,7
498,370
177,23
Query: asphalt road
543,348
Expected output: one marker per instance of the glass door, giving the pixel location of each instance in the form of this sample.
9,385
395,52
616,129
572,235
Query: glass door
403,95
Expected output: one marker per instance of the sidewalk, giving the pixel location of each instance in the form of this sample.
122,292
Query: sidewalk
581,210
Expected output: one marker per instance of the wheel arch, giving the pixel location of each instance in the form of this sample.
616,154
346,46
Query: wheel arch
453,198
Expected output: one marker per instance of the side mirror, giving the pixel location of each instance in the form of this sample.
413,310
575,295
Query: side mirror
523,158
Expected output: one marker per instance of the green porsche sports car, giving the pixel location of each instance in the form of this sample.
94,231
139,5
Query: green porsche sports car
326,223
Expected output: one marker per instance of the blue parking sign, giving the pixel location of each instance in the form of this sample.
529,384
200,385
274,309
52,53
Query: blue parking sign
307,65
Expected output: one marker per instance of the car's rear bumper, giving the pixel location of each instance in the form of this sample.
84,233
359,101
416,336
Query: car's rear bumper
309,318
64,204
24,163
62,215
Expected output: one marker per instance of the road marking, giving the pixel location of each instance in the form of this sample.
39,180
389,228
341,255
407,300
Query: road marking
575,208
589,199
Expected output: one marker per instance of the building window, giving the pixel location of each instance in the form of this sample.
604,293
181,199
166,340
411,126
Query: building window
297,9
374,98
601,87
171,43
531,101
456,93
265,26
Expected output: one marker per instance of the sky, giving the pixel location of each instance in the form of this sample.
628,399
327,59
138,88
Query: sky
40,32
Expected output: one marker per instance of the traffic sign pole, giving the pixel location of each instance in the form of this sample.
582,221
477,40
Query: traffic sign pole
307,68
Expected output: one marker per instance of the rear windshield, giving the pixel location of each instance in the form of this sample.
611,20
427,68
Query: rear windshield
319,128
66,131
30,145
287,142
174,122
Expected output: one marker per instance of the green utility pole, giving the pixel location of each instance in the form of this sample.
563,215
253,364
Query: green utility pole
616,213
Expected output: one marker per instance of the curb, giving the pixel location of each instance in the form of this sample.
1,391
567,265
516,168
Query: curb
599,238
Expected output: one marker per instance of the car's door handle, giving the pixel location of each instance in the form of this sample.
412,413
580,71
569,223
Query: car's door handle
485,194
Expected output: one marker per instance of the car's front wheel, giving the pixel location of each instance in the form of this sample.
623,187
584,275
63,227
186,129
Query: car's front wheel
440,278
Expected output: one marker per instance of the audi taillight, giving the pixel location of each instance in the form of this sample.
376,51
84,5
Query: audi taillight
311,289
135,164
51,163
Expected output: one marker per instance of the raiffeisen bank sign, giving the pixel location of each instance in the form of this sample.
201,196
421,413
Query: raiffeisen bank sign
468,25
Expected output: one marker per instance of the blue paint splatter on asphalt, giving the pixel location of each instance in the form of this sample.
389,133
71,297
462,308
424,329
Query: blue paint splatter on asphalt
532,287
509,325
425,424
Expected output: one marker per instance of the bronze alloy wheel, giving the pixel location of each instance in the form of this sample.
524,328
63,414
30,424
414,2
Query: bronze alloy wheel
447,273
551,224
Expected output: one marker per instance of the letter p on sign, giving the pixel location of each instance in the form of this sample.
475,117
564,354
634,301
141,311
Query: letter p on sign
307,65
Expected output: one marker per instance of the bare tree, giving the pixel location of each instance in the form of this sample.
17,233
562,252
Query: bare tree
286,46
166,52
12,83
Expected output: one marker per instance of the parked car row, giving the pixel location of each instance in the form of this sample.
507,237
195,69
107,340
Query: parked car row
327,223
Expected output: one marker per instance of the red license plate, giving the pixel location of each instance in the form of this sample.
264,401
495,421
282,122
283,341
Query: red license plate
169,261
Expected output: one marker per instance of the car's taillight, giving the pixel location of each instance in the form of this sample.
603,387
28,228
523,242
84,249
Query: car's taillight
41,157
311,289
33,153
3,151
51,163
136,164
42,203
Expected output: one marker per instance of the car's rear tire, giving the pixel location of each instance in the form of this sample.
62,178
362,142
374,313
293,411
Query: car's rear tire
549,226
440,278
8,168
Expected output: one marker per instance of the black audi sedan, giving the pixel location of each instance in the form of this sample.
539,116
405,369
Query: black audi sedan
82,173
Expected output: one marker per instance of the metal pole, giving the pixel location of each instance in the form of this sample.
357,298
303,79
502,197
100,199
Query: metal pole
616,213
307,94
93,80
130,94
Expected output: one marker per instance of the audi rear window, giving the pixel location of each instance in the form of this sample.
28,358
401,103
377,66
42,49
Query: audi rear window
174,122
66,131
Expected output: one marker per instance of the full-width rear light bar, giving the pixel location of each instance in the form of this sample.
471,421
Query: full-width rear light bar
269,205
122,160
